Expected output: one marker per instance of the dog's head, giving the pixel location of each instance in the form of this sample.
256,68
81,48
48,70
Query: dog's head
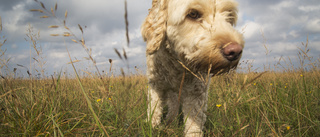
200,32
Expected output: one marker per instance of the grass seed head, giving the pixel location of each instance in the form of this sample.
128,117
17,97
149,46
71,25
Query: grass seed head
37,10
55,7
118,53
74,41
42,5
125,54
53,26
66,14
54,35
44,16
80,28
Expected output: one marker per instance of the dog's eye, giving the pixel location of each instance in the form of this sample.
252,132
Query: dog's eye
193,14
230,20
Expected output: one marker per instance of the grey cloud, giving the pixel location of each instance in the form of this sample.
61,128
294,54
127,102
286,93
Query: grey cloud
285,25
9,4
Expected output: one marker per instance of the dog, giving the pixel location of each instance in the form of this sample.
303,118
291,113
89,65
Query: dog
188,41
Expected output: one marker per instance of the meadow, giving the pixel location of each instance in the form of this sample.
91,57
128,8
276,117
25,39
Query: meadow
282,102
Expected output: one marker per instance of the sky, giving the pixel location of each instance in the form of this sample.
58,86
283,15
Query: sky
273,30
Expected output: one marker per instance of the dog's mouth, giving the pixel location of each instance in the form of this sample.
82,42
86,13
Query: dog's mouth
215,66
224,69
217,62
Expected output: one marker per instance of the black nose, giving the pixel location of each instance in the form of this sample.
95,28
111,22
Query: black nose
232,52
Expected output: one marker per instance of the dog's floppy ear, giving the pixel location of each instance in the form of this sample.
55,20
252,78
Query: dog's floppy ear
154,26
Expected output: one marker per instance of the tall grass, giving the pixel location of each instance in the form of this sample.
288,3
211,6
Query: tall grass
276,104
3,61
273,103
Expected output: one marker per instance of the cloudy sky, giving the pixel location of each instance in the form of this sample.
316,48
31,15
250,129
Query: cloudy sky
278,25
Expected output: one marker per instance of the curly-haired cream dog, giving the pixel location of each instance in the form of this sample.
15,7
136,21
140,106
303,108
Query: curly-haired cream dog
187,42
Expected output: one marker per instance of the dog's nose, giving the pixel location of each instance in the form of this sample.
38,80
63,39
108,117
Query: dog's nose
232,51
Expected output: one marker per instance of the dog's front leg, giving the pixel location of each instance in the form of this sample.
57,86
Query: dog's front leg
194,108
155,105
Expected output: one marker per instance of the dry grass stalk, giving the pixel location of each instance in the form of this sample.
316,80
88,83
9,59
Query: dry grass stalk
246,84
74,61
225,45
0,24
88,51
39,58
126,22
118,53
190,71
181,85
110,61
69,33
124,54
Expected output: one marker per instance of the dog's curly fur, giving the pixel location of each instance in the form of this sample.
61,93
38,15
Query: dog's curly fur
186,41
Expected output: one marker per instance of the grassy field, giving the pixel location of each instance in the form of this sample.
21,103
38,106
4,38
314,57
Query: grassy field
271,103
274,104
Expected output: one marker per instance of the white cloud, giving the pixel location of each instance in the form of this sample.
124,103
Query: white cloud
114,43
251,29
12,21
315,45
56,55
313,26
14,46
309,8
283,4
294,33
284,48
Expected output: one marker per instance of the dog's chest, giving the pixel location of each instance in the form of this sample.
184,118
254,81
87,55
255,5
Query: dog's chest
168,72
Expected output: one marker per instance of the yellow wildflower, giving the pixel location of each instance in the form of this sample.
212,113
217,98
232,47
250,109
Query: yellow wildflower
98,100
301,75
218,105
288,127
109,98
254,83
